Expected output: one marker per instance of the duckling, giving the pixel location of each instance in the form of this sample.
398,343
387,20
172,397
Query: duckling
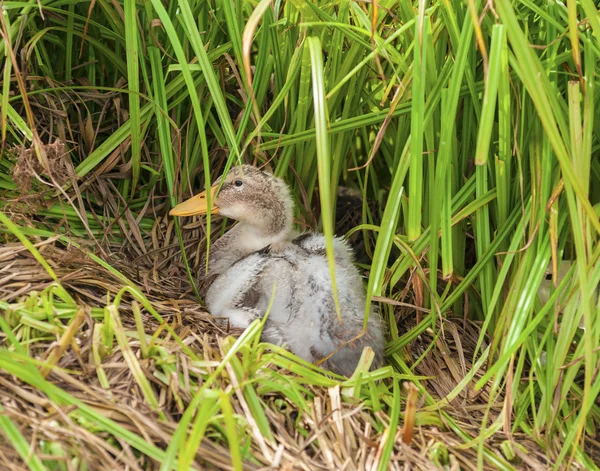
263,260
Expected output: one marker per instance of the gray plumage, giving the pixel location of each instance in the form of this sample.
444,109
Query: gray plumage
262,252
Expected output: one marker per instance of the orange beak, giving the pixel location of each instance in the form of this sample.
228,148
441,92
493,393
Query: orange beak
197,204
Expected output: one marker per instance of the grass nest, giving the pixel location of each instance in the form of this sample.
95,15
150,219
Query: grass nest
118,353
314,421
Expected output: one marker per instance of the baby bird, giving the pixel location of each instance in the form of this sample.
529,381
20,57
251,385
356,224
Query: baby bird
262,260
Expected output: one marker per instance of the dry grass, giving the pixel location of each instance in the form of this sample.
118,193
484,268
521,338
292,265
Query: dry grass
326,430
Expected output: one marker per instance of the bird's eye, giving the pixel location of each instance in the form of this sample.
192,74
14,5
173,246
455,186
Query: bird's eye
238,183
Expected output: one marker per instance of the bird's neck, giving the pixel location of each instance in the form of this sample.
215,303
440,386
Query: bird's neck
240,241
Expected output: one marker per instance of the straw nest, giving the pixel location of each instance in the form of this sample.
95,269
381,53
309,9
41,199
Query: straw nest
313,420
331,433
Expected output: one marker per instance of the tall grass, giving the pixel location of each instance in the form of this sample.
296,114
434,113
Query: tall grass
473,124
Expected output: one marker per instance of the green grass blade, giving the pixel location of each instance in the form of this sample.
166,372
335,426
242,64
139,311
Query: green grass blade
489,97
14,436
323,157
415,189
209,75
133,79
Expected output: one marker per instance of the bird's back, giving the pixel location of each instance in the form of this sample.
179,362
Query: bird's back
294,280
315,331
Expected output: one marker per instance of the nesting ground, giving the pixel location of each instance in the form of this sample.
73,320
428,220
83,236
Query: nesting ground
313,421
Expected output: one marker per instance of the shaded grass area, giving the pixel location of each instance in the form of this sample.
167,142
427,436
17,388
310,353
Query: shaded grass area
469,130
